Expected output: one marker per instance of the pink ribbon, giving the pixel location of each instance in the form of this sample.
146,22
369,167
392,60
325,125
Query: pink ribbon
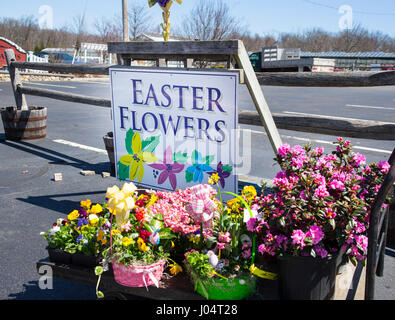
202,207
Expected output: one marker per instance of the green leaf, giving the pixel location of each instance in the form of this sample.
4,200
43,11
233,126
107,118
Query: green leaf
227,168
332,223
188,176
180,157
208,159
123,171
128,141
150,144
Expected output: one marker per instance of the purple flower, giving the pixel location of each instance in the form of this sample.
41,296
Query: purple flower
163,3
320,251
169,168
221,173
81,222
81,239
82,213
336,185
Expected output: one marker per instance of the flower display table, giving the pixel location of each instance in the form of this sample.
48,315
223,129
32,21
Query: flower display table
349,284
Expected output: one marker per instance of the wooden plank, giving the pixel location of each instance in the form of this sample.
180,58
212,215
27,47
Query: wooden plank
70,97
257,96
365,129
327,79
176,48
64,67
16,80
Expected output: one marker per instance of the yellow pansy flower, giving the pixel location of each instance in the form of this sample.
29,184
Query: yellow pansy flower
73,215
249,192
100,237
127,241
115,231
86,204
96,209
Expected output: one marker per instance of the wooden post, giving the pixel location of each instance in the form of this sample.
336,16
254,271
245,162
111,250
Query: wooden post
257,96
125,20
16,80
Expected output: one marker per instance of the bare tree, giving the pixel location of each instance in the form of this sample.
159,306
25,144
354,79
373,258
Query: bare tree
210,20
139,20
108,30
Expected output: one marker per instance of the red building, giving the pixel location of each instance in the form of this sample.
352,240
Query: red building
20,54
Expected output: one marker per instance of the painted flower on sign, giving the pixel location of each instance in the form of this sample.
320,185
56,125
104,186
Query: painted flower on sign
199,166
168,167
223,172
140,152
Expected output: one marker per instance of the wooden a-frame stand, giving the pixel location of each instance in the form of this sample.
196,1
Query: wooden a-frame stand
229,51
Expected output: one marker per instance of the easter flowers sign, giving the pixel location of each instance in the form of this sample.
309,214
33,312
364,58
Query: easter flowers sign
174,129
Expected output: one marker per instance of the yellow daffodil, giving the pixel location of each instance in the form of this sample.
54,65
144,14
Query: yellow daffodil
86,204
96,209
175,268
127,241
73,215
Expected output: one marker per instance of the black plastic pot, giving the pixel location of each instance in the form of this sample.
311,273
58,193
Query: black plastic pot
59,256
308,278
83,260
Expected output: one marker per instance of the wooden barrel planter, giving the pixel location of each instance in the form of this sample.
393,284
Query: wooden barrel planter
109,144
28,124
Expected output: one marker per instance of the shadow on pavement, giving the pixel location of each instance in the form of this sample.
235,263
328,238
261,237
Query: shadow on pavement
55,157
50,201
61,290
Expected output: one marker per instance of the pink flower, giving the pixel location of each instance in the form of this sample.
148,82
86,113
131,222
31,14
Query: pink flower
282,150
384,166
362,241
126,226
251,224
336,185
220,245
298,238
246,254
321,192
224,237
316,234
358,159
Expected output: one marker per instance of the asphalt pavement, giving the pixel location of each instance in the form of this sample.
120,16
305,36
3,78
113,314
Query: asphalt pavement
30,200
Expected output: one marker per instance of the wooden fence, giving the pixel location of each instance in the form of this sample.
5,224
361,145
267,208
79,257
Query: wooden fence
367,129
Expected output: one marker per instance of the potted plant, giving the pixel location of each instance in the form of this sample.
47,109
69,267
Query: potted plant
317,216
224,252
81,237
139,242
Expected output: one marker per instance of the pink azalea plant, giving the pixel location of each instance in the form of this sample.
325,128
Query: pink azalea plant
320,204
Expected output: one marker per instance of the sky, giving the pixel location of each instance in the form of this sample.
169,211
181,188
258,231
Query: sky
262,17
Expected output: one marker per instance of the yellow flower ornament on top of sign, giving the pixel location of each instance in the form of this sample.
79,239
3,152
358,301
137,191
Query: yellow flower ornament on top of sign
165,5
